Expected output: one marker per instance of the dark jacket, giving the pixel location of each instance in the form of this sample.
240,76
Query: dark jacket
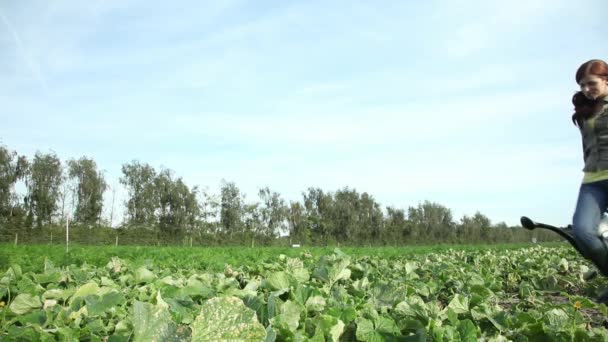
594,132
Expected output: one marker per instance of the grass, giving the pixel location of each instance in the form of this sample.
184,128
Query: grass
32,257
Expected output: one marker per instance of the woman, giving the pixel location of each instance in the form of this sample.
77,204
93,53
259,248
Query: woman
591,116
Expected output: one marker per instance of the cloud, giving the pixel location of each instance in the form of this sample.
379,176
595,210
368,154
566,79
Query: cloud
478,28
33,67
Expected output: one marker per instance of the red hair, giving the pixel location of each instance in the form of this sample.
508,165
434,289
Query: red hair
584,107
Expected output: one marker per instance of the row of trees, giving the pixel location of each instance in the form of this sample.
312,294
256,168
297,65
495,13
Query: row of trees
48,184
160,204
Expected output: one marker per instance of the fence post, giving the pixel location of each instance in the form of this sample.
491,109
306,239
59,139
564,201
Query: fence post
116,240
16,238
51,237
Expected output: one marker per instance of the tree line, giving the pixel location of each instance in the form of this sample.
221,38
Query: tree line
162,208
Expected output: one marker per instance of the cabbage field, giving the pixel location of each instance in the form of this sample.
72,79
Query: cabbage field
518,293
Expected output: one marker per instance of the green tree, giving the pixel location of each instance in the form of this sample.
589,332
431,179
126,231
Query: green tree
232,208
319,210
371,218
188,210
210,211
142,202
90,186
273,212
357,218
345,215
43,185
397,228
252,221
178,208
12,169
297,223
433,221
474,228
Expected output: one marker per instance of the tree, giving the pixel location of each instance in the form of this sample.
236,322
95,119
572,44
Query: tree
187,211
209,210
475,228
43,185
371,218
432,220
397,228
273,212
12,169
319,210
296,217
165,200
252,221
345,216
178,209
142,202
231,212
90,186
356,217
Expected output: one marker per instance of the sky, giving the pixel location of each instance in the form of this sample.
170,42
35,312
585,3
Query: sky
461,103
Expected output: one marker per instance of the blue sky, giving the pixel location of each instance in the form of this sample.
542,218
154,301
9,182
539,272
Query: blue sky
463,103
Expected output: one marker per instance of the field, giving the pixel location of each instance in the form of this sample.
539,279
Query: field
445,293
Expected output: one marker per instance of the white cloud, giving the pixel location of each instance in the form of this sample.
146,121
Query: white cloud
23,53
478,27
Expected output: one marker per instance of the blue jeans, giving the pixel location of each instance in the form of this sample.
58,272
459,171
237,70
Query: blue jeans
591,204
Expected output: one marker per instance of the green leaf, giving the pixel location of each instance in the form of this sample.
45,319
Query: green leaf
227,318
340,271
289,317
256,303
366,332
383,329
452,316
410,325
152,323
302,292
115,265
467,331
315,303
301,275
410,270
58,294
563,264
271,336
15,272
98,305
413,306
460,304
15,333
279,280
386,295
386,325
346,314
25,303
331,271
85,290
37,318
144,276
331,327
67,334
45,278
556,320
275,302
